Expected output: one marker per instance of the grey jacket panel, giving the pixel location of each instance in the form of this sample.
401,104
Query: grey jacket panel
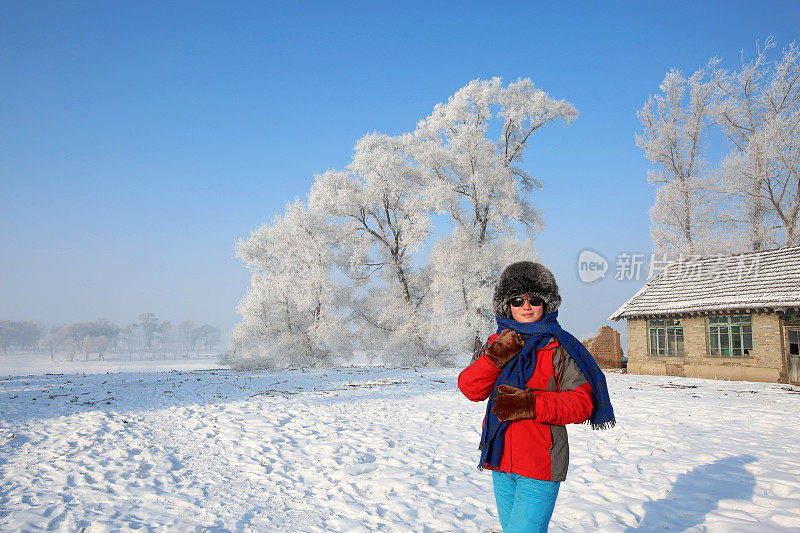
571,379
559,453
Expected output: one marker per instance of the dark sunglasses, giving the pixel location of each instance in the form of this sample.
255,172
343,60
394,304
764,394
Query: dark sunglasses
519,301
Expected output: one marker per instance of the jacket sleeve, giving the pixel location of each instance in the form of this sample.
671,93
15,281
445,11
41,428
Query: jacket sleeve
476,381
573,404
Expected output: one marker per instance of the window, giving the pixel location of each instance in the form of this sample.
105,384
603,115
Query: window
794,342
730,336
666,337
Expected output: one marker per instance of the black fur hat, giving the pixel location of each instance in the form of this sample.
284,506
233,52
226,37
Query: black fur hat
526,277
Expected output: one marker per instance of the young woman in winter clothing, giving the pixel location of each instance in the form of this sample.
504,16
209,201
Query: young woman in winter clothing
538,378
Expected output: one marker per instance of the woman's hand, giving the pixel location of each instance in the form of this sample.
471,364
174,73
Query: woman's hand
513,403
505,348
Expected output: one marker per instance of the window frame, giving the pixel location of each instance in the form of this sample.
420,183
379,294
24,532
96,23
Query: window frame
729,336
667,335
792,329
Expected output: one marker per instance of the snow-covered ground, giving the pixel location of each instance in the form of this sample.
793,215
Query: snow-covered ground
371,449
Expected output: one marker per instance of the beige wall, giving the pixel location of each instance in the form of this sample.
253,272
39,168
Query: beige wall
765,364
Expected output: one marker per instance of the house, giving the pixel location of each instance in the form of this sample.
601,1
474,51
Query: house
723,317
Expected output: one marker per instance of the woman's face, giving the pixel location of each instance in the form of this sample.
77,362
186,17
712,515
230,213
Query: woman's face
526,312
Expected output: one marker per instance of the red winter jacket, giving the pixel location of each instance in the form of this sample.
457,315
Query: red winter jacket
537,448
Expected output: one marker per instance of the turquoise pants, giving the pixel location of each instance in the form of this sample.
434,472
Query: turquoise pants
524,504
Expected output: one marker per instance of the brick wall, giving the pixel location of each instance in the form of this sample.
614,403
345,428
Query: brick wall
767,346
637,340
605,348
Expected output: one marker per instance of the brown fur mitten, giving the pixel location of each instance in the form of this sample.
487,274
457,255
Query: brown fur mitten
512,403
505,347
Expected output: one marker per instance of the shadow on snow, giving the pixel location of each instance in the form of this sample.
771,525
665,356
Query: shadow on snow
697,493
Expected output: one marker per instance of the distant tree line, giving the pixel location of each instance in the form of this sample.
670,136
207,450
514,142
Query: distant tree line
146,335
19,335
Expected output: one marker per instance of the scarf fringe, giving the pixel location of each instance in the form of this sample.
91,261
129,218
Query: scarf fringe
605,425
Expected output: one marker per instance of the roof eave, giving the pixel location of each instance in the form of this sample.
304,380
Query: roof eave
776,308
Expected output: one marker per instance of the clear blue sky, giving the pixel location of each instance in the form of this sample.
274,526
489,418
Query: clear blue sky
140,140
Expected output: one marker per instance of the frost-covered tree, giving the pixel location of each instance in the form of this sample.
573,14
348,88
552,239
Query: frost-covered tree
675,121
292,313
185,336
149,326
207,335
165,335
128,337
462,288
758,109
23,335
105,328
377,203
464,162
55,339
98,345
475,178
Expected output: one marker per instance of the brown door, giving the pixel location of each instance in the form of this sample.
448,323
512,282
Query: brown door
793,354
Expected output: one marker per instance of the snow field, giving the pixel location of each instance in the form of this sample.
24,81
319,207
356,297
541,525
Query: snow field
373,449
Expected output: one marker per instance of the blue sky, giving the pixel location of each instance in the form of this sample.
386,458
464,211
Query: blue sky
139,141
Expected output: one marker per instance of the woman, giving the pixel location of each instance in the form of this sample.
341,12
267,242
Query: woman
538,378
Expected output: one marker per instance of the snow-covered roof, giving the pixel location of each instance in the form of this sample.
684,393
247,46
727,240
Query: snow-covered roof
755,280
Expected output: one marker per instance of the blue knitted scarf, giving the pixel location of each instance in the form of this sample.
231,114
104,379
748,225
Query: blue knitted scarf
519,370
